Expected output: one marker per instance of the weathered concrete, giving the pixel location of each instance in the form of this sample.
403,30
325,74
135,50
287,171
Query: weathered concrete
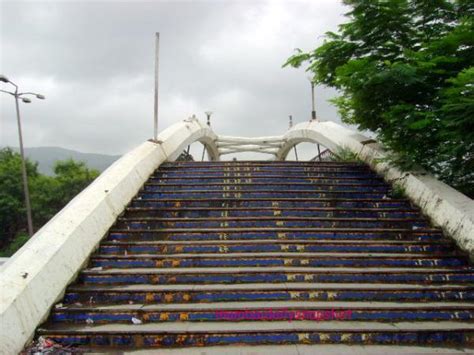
36,276
446,207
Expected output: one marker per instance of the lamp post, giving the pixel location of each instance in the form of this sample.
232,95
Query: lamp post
26,190
208,115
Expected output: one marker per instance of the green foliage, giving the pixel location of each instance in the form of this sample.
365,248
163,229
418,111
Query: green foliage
345,155
398,192
405,70
48,194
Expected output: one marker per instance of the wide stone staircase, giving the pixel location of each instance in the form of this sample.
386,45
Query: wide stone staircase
250,253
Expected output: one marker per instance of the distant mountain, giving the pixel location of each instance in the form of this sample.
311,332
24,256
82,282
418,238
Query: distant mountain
47,156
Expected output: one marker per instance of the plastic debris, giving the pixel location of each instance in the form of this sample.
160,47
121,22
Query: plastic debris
415,228
136,320
59,305
98,268
89,321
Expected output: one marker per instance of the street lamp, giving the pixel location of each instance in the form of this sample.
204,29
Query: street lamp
208,115
21,95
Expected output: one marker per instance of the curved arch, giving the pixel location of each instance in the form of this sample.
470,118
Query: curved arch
328,134
177,137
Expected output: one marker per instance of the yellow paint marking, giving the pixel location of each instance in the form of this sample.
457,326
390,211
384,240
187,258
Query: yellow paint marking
294,295
324,338
346,338
304,338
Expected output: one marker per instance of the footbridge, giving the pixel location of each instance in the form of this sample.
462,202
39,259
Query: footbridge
157,253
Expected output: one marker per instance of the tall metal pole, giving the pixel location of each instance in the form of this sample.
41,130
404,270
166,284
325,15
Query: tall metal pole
23,169
313,109
157,52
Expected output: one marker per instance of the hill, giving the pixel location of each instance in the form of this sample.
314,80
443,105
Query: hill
47,156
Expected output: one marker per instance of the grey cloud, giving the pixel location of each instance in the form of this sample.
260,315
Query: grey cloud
94,61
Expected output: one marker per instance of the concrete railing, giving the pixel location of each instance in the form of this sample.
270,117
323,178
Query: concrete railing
445,206
35,277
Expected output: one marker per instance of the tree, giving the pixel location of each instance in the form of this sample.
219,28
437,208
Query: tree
49,194
404,68
12,200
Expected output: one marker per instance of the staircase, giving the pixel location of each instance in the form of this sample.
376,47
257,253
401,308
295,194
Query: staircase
251,253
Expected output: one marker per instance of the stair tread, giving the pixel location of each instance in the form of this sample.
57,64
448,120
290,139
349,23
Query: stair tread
218,306
249,326
241,270
269,286
291,255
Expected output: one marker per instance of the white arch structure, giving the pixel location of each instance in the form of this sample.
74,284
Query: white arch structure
37,275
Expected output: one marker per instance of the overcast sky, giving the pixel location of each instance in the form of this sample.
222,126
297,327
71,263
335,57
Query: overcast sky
94,62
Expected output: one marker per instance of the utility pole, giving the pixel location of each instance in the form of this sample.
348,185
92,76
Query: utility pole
157,62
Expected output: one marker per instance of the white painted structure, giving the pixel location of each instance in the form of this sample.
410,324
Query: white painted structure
37,275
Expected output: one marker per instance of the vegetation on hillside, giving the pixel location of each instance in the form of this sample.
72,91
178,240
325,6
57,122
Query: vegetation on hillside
405,71
49,194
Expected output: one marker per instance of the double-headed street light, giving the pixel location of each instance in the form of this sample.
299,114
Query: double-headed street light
21,95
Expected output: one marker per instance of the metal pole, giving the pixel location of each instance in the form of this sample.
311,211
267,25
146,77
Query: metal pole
296,152
319,152
23,169
313,109
157,52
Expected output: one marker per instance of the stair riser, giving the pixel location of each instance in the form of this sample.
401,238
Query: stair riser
104,317
188,180
270,248
288,169
258,194
257,188
150,297
187,236
221,262
405,224
136,341
230,202
335,277
325,174
268,213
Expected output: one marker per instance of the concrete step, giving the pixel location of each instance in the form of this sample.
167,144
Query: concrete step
158,248
273,275
209,186
314,193
284,234
163,294
179,334
269,222
257,260
265,311
213,212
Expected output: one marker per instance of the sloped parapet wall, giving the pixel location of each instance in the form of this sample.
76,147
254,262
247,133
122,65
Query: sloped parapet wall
37,275
445,206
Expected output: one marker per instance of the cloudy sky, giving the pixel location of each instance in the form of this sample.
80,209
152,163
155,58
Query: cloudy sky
94,62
